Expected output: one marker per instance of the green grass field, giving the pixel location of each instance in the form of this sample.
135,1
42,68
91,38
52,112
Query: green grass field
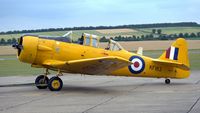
137,32
173,30
10,66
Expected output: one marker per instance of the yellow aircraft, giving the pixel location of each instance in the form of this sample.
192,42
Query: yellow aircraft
86,57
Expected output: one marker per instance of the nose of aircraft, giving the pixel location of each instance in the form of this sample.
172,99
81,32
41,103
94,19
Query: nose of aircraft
27,48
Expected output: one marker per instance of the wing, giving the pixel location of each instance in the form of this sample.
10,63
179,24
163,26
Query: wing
100,65
170,63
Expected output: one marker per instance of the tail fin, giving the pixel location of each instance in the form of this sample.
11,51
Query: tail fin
177,52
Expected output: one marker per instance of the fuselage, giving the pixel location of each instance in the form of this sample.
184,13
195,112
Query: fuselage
37,50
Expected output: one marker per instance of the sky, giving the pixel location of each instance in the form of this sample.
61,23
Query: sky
40,14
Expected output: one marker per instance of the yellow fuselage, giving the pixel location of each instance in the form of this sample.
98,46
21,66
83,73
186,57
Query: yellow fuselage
36,51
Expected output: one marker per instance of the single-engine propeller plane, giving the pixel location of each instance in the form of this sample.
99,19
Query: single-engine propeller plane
86,57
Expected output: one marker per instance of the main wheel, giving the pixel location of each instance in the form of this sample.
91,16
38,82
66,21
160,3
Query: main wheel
167,81
41,82
55,84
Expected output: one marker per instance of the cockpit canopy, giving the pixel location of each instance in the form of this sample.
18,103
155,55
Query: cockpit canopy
93,40
113,46
89,40
86,39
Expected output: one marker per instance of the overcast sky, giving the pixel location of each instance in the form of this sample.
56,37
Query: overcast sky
34,14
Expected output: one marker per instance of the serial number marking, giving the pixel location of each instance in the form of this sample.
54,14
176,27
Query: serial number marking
155,68
172,70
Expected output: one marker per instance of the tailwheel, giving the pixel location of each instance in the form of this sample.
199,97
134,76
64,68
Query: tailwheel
41,82
55,84
167,81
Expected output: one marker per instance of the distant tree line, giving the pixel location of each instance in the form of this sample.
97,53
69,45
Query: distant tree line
153,36
135,26
8,41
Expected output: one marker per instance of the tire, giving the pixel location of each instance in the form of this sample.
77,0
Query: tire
55,84
41,82
167,81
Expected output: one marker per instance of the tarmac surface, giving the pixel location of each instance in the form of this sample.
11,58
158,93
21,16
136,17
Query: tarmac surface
101,94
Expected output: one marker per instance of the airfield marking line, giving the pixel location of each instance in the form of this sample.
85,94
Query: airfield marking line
86,111
136,87
193,105
105,82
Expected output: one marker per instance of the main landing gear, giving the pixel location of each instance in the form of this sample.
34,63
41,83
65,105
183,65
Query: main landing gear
54,83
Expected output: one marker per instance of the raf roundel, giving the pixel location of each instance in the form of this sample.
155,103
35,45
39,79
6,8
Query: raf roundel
137,66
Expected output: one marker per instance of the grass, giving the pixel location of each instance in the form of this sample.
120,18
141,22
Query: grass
175,30
10,66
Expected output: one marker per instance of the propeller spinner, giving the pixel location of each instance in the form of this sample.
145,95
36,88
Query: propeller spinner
18,45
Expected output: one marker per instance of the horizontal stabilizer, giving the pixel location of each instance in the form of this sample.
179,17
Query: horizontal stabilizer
172,64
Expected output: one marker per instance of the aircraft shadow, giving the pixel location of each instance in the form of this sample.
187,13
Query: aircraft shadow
163,84
87,89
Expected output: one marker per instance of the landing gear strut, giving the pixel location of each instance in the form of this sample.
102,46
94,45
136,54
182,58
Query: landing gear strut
54,84
167,81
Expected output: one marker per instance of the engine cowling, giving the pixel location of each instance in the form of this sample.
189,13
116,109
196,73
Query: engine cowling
27,48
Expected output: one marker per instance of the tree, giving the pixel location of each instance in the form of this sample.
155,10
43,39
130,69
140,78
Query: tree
163,37
159,31
147,37
2,42
13,40
192,35
180,35
9,41
175,36
186,35
123,38
103,39
133,37
138,38
153,31
129,38
151,36
142,37
198,34
170,37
